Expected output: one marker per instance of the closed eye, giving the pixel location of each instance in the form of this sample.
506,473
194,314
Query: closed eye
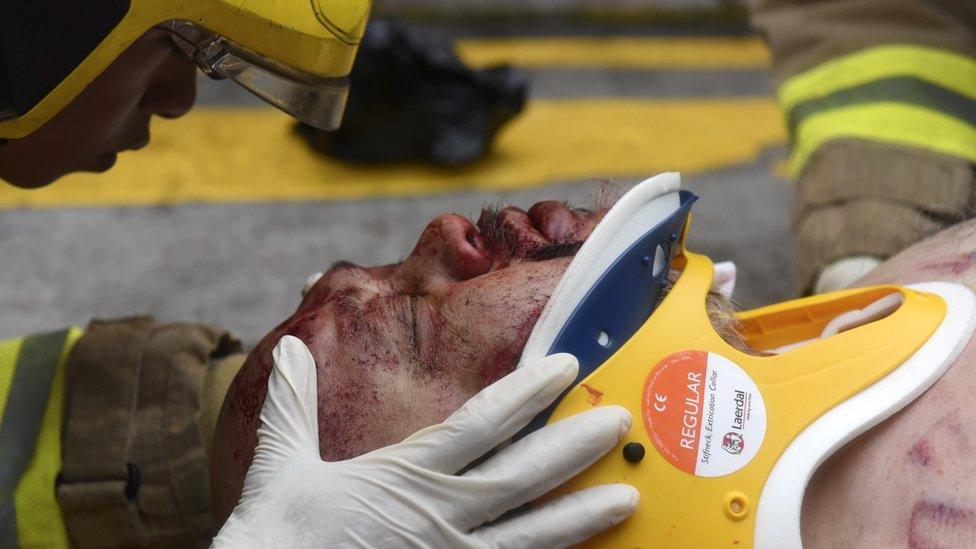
413,324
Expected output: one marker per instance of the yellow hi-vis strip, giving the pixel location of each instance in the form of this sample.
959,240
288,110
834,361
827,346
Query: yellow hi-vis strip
35,515
37,525
895,123
882,119
9,350
949,70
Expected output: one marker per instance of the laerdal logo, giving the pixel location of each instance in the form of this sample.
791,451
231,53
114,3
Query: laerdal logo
733,443
738,418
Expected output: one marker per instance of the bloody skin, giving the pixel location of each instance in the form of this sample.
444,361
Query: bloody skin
400,347
936,525
923,454
955,266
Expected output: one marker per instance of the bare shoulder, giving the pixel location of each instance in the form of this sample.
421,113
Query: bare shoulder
909,481
949,255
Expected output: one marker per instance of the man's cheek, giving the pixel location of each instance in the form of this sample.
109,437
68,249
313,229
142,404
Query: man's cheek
498,364
347,427
518,317
495,338
360,415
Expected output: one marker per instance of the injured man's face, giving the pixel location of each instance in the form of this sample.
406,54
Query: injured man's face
402,346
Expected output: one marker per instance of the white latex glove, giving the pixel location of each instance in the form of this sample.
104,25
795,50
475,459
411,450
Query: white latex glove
842,273
723,278
409,494
309,282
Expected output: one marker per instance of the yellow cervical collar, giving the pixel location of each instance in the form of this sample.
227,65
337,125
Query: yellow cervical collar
723,442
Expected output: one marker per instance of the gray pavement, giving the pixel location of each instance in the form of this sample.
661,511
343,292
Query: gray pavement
241,266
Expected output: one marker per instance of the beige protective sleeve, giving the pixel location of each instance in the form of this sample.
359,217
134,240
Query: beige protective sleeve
859,197
134,457
879,97
804,34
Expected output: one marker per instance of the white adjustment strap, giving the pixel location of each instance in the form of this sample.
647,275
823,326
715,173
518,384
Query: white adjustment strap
852,319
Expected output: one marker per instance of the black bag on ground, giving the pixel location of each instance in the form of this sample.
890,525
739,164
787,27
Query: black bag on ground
412,98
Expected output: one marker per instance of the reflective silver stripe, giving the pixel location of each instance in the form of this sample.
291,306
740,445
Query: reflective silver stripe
30,389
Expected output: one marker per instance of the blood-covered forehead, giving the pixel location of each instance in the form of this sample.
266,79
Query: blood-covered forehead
343,276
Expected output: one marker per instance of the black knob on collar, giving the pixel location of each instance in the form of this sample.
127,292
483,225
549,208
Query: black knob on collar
633,452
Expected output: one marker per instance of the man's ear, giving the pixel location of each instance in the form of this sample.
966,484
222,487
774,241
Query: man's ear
724,281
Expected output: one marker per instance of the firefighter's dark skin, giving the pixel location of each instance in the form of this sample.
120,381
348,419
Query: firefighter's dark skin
151,78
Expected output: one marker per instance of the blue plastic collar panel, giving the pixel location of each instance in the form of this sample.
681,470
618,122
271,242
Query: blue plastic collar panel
620,302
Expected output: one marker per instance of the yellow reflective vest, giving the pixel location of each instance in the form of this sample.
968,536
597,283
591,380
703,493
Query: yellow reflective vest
32,372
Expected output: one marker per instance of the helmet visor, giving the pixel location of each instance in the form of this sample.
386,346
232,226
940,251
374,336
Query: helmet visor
314,100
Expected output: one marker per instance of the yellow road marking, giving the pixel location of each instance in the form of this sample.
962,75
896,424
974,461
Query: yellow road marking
253,154
618,52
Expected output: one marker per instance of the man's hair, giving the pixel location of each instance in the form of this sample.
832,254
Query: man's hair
721,312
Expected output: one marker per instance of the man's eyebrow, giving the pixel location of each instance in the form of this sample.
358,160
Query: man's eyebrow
554,251
343,264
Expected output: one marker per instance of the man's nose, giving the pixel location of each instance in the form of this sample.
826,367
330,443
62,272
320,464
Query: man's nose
450,249
173,89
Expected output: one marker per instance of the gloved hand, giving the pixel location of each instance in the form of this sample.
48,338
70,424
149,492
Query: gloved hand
843,272
410,494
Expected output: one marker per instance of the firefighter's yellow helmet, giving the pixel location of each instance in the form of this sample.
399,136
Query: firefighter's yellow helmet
294,54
